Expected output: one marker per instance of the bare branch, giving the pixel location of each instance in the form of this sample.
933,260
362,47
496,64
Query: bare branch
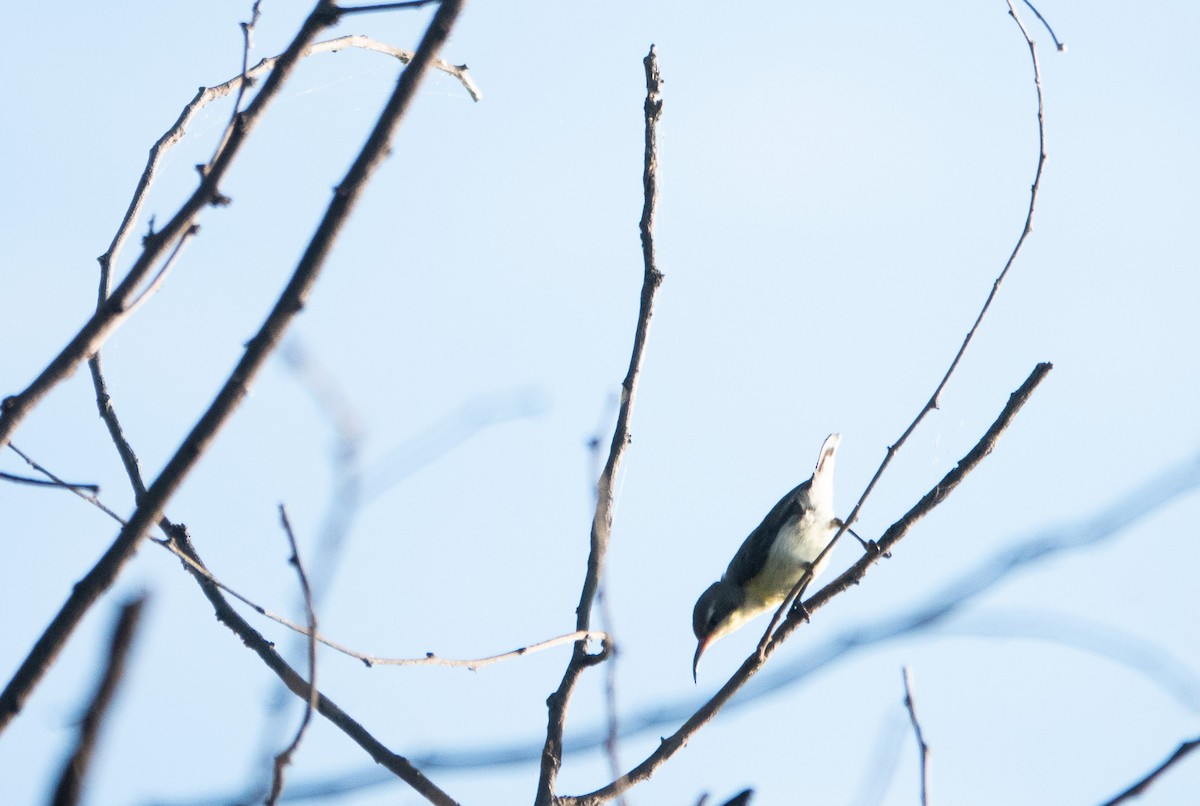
282,760
1062,46
602,520
922,748
853,575
70,783
114,311
613,733
290,303
676,741
160,277
1128,507
395,763
430,659
67,485
802,583
346,493
80,490
1141,786
344,10
207,95
458,71
247,43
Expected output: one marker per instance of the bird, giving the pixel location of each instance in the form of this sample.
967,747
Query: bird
773,558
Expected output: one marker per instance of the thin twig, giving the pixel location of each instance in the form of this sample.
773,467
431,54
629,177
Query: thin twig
70,783
602,520
429,659
1128,507
395,763
346,472
345,499
1062,46
283,759
207,95
672,744
247,43
613,732
108,415
257,350
922,747
243,82
160,277
853,575
179,543
932,404
67,485
91,498
344,10
1141,786
114,312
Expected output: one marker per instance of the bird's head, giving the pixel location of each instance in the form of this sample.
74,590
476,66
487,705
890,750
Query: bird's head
717,613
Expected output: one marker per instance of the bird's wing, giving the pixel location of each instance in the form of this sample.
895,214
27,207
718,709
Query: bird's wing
752,555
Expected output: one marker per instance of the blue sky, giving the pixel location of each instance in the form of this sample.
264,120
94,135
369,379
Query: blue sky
840,186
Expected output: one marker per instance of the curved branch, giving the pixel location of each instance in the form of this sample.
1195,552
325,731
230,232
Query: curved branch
1141,786
932,404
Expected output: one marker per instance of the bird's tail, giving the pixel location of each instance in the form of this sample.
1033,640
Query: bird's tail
822,478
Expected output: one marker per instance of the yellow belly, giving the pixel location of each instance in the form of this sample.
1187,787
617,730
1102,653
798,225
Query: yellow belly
795,549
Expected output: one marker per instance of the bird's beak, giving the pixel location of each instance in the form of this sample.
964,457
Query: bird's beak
700,647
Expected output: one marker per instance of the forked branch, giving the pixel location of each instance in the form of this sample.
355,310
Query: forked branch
291,301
